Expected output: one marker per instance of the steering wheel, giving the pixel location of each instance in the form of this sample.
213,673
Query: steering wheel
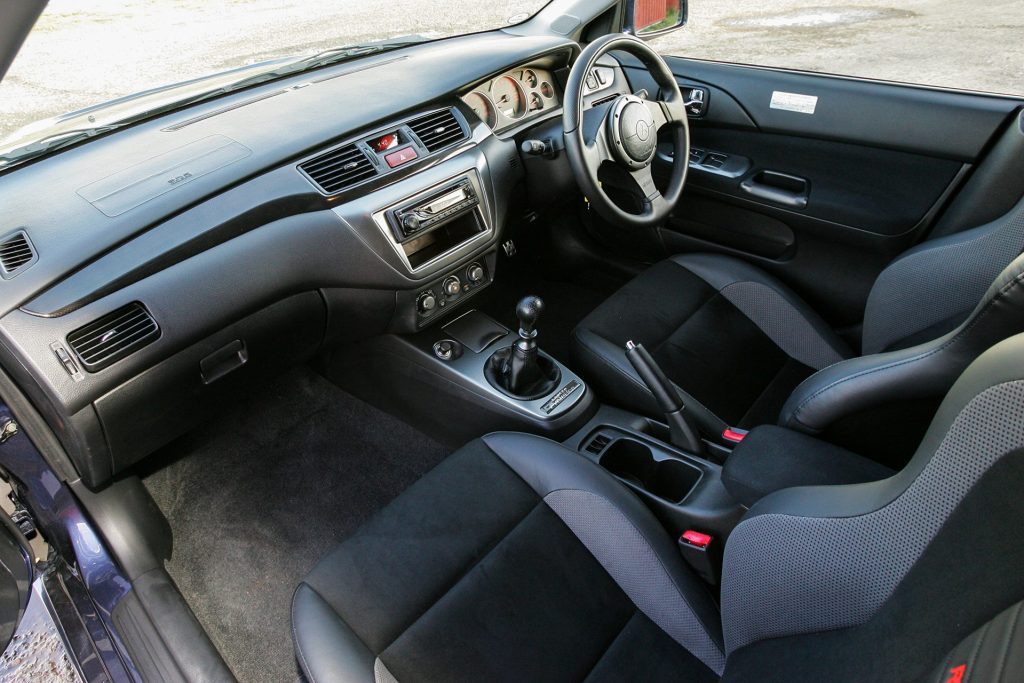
625,132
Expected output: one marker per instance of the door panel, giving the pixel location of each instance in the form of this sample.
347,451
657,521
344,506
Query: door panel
825,200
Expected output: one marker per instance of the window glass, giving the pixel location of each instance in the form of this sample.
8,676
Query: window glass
969,44
84,52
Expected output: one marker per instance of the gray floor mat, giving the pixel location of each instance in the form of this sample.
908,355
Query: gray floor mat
259,494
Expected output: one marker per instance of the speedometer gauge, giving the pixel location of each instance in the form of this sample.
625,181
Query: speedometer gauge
509,97
482,107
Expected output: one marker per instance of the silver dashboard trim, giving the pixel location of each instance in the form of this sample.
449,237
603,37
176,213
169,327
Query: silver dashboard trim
380,218
471,366
466,160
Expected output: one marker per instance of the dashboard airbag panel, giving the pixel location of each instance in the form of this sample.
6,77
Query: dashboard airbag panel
134,186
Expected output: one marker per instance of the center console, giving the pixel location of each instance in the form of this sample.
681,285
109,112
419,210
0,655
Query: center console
470,375
684,490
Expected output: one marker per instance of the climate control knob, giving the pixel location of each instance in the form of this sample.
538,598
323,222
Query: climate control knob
426,302
451,286
475,273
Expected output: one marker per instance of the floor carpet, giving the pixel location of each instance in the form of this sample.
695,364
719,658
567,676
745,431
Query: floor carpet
256,496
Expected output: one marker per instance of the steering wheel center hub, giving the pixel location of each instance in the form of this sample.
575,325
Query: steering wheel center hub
633,133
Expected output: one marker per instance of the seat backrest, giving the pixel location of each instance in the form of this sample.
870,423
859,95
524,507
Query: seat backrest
931,288
902,568
852,389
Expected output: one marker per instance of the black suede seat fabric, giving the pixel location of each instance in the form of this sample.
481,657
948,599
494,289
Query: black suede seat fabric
773,458
470,575
686,313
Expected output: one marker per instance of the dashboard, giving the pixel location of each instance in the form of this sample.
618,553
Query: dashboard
514,97
176,261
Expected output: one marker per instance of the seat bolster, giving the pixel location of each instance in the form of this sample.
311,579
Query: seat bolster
776,309
925,371
940,279
835,554
327,649
623,536
616,379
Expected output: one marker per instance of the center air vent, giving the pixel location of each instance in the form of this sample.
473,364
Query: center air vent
16,254
438,130
339,168
113,337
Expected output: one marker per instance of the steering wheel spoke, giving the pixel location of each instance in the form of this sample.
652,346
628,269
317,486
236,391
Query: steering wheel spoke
665,112
596,145
658,205
644,179
597,149
658,111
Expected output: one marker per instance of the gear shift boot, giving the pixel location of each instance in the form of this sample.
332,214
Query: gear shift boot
532,381
519,370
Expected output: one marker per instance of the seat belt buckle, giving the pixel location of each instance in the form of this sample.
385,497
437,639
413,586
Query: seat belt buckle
697,548
734,434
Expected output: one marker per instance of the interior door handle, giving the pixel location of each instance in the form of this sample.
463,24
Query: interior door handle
779,188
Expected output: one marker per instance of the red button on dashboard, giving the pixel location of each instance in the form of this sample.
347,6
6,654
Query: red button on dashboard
400,157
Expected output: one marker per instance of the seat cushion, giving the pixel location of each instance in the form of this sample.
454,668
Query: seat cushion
732,338
773,458
515,559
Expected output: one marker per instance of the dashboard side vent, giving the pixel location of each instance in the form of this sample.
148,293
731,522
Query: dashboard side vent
438,130
16,254
339,168
114,336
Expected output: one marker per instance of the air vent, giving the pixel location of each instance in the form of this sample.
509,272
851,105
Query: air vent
438,130
338,169
16,254
113,337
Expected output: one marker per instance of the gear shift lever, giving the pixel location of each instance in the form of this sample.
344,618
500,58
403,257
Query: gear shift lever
523,368
520,370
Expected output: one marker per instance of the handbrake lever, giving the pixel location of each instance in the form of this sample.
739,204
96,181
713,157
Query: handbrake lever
681,432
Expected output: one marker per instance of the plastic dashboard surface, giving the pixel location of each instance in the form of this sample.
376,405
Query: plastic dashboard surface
246,249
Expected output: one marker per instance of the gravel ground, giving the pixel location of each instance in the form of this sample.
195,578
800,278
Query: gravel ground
971,44
84,53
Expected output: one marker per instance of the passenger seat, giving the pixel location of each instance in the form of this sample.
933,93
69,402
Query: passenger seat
517,559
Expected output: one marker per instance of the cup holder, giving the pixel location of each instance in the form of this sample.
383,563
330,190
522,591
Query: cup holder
634,462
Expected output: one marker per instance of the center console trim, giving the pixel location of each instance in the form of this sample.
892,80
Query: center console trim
471,366
482,209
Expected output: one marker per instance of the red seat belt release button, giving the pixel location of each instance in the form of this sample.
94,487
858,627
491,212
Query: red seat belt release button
696,539
734,434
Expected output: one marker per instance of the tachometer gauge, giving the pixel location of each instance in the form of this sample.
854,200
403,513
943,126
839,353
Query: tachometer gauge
482,107
530,78
509,97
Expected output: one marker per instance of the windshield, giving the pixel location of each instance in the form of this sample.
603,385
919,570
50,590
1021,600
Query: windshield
81,54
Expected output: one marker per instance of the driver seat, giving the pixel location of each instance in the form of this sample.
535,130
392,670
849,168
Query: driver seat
744,349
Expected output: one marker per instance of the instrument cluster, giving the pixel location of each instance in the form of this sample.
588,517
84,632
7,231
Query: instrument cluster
514,97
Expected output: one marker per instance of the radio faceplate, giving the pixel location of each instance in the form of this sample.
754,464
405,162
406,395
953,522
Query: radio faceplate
430,212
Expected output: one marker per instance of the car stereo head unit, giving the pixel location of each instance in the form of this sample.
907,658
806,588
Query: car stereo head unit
432,211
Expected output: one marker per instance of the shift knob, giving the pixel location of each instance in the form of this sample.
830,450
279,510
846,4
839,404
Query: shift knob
528,310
